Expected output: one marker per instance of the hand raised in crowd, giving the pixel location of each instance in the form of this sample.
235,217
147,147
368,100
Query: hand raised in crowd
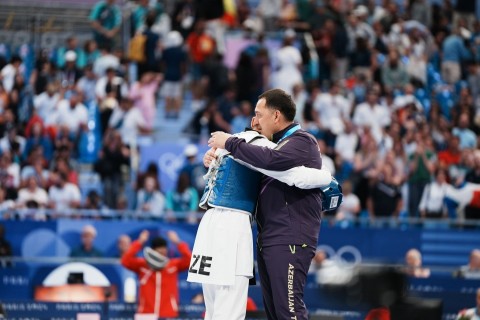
143,237
173,237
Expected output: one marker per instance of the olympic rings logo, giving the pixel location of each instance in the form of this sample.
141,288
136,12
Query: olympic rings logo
345,257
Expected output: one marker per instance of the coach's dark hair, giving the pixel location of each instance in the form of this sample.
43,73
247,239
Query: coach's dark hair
280,100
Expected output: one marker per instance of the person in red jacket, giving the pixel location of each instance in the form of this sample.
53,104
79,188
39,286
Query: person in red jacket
157,274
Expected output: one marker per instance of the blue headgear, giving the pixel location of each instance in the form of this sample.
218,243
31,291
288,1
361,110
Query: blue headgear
332,196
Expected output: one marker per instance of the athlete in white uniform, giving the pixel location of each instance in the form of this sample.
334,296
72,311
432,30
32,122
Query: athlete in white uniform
222,256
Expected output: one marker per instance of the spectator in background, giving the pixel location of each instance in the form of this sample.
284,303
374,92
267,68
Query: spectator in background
421,165
155,296
431,204
32,196
385,198
174,64
468,138
104,61
472,313
454,53
72,114
12,140
46,102
394,74
109,166
194,168
201,46
70,74
71,45
37,137
129,122
290,62
452,155
123,244
183,201
242,117
63,195
472,269
21,100
105,19
110,86
86,85
35,168
326,269
350,207
473,176
372,114
269,11
5,248
91,53
8,73
93,201
150,200
86,248
9,175
413,268
143,95
151,46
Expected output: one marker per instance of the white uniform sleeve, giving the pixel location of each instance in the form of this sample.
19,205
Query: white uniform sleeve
300,177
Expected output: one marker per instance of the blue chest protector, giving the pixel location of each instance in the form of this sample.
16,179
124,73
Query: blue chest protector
232,186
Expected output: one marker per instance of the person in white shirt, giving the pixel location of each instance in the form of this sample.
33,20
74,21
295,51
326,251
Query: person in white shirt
62,194
333,109
10,138
150,200
372,114
72,113
128,121
46,102
105,61
32,195
110,85
350,206
346,143
431,204
289,61
8,73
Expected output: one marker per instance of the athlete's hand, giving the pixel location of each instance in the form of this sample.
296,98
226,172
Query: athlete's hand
218,139
143,237
209,157
173,237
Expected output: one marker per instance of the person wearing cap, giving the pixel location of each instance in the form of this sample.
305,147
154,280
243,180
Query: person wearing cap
86,248
157,273
70,74
223,250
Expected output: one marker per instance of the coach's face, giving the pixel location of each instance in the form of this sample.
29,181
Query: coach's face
266,118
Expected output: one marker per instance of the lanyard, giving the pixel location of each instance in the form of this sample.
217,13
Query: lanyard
289,132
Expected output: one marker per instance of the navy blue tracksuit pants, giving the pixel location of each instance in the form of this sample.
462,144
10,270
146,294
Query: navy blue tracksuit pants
283,273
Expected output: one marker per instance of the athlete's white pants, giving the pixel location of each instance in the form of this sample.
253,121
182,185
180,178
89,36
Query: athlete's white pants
226,302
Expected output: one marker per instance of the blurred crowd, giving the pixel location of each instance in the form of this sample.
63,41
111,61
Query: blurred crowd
390,89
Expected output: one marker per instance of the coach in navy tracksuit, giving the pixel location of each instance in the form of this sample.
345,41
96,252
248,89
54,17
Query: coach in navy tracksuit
288,218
